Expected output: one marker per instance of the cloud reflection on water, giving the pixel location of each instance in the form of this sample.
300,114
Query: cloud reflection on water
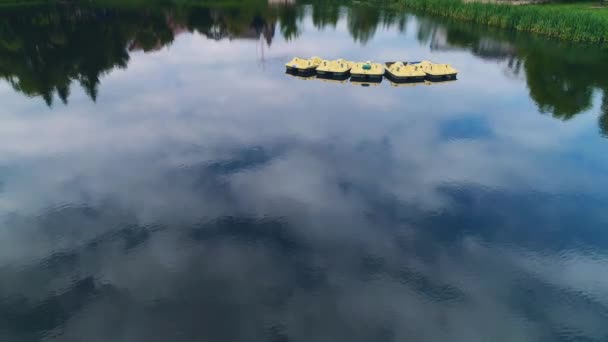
231,209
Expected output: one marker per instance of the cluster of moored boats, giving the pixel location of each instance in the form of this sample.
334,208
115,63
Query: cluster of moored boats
369,71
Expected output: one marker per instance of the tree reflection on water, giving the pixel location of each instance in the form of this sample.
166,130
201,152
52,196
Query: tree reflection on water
44,49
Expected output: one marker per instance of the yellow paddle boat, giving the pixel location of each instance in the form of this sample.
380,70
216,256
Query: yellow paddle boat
437,72
367,71
403,72
339,67
303,65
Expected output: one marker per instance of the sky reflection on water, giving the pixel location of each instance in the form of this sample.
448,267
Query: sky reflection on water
206,195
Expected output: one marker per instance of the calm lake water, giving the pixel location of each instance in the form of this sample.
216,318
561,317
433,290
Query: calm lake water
163,179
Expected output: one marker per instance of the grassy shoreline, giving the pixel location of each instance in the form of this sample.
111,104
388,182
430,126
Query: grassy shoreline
568,21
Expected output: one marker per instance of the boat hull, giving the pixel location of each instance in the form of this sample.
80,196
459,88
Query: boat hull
342,76
366,77
439,78
299,71
404,79
332,73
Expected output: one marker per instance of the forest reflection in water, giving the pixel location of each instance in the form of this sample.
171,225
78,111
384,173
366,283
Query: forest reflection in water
44,49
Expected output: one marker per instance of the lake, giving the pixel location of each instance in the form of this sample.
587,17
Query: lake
163,179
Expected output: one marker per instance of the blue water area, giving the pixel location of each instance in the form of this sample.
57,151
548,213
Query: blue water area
465,128
163,179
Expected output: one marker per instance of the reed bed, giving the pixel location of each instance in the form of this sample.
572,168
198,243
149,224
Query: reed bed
576,23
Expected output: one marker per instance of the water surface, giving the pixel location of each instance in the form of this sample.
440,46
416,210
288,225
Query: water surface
163,179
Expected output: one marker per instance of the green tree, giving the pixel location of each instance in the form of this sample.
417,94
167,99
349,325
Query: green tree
362,22
289,17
